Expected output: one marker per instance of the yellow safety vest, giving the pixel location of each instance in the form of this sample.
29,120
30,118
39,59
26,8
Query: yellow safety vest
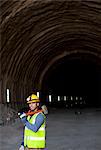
34,139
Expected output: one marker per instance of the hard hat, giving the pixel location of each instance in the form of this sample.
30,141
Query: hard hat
33,99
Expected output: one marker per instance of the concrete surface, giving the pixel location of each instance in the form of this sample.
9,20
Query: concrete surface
65,131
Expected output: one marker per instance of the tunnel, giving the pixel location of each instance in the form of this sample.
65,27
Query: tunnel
74,77
53,47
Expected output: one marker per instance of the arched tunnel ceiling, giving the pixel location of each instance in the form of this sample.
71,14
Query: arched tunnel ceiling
35,34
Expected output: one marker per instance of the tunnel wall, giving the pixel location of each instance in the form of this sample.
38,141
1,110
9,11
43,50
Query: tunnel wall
36,34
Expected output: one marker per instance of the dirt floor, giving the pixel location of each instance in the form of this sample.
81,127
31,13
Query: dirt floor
65,131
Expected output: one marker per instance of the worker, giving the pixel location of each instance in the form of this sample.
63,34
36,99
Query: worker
34,122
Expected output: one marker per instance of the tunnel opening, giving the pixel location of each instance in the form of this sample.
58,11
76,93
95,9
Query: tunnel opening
73,82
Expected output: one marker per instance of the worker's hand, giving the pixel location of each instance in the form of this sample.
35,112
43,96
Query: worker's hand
22,115
21,147
23,118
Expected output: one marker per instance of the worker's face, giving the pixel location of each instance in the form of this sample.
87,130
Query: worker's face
33,106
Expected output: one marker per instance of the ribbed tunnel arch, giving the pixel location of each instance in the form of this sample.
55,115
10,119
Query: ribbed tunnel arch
36,35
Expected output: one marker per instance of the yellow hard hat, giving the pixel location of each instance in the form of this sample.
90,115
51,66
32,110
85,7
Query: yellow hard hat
33,99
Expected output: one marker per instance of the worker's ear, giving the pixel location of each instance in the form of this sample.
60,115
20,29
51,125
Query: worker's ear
37,104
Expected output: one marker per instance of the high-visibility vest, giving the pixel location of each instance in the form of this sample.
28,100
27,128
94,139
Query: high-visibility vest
34,139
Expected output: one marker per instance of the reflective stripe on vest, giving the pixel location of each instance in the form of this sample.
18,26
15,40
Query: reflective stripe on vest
34,139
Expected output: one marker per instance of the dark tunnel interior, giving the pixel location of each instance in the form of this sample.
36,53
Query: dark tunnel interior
74,76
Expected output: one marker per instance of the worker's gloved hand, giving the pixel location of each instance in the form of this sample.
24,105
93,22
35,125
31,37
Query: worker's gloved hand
22,115
21,147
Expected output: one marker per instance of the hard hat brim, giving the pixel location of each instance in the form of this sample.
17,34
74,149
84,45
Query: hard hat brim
33,101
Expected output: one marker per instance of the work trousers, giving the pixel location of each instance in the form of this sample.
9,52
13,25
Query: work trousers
34,148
